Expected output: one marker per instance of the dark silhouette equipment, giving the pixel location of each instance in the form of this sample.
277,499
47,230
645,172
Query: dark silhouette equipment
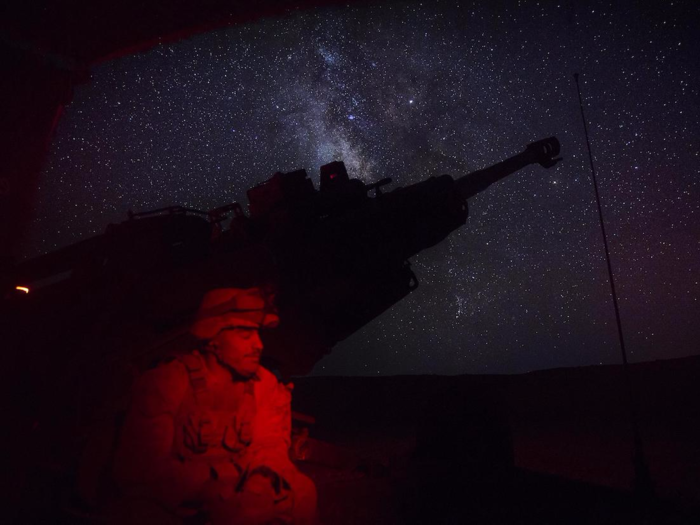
336,258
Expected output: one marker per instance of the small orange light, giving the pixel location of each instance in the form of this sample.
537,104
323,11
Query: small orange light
22,289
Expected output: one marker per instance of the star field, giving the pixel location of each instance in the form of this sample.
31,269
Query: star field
414,90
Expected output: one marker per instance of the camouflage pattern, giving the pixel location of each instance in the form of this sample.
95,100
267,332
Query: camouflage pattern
196,439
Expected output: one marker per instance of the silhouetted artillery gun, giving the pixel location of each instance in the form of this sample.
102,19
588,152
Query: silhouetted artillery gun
335,258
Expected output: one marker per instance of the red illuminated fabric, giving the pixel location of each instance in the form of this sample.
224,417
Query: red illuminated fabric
194,435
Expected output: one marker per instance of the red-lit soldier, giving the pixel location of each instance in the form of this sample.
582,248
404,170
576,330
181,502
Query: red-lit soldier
210,431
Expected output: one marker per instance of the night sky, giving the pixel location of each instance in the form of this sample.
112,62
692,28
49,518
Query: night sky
409,91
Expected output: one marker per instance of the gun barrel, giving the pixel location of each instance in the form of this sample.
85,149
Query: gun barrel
543,152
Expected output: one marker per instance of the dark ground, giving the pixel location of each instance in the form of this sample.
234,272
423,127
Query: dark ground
546,447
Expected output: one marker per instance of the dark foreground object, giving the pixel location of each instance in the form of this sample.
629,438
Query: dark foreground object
442,493
420,491
548,447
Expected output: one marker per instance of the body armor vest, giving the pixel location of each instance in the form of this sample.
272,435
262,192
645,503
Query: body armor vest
214,422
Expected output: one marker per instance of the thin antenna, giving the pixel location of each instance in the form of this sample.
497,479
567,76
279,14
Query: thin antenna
642,481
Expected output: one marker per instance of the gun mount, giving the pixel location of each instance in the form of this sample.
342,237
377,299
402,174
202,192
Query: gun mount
336,258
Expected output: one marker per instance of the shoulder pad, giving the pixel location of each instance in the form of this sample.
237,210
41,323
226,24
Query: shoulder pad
161,389
271,389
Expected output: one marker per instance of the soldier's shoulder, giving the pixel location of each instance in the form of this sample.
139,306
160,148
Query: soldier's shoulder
266,379
168,370
264,375
162,388
270,387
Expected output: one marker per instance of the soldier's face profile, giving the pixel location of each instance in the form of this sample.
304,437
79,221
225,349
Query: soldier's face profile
240,348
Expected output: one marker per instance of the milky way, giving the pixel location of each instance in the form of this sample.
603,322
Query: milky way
409,91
